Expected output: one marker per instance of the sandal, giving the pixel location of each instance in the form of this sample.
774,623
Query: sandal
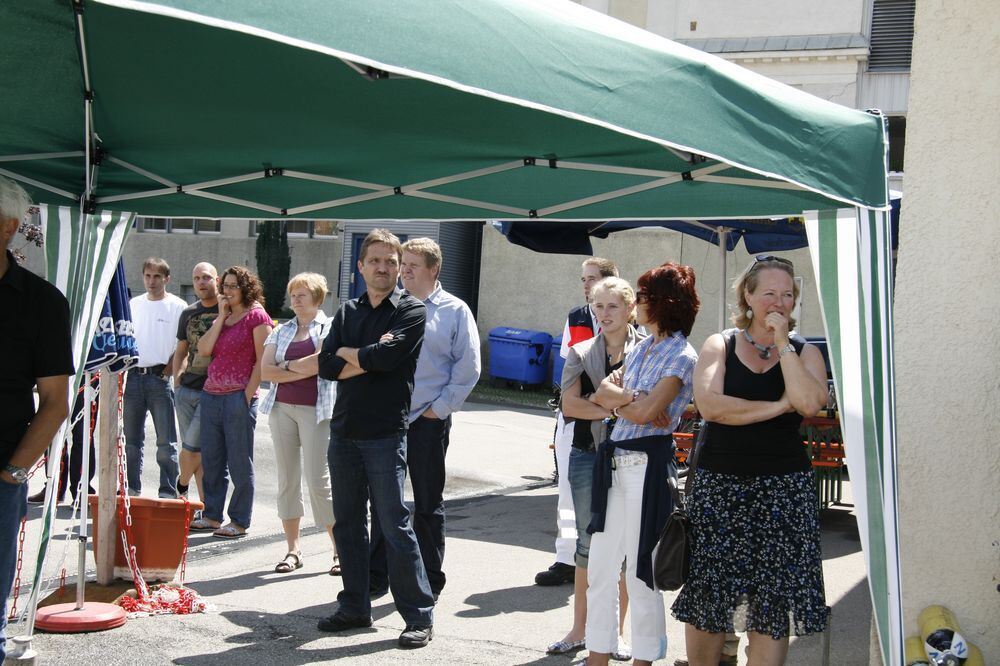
203,525
229,531
291,562
335,569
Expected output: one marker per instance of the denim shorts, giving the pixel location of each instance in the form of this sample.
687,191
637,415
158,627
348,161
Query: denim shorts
581,482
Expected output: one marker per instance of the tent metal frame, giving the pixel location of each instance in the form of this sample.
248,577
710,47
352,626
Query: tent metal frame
94,156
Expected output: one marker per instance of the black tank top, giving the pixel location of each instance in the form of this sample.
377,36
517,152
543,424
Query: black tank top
583,437
768,447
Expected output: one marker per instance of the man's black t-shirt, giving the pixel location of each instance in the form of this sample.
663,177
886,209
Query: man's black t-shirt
195,321
36,341
376,404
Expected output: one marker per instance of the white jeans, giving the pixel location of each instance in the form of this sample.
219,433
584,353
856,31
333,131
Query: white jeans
565,515
620,541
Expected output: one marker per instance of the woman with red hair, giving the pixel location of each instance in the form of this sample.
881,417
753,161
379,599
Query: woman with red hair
631,496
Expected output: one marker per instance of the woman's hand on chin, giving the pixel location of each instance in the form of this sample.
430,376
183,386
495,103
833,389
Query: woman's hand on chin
777,323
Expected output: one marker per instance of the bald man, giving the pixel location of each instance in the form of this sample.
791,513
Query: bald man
191,370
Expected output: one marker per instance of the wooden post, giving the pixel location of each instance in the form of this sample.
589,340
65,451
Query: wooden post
107,478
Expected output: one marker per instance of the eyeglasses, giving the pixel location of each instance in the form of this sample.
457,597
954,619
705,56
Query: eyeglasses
226,285
770,257
642,296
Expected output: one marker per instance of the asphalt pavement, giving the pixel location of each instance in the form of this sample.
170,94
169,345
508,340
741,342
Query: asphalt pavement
501,524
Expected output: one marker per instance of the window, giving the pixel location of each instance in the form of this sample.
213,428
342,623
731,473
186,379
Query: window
154,224
891,35
182,226
325,228
299,227
188,293
178,225
207,226
897,141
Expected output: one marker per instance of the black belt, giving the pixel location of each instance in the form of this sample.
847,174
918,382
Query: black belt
151,370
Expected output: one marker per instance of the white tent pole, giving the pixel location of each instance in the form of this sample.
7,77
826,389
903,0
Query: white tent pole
81,493
723,287
107,479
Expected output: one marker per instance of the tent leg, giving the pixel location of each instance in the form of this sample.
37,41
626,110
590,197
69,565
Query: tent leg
107,479
723,287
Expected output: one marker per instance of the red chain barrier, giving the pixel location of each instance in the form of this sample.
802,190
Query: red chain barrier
17,570
162,599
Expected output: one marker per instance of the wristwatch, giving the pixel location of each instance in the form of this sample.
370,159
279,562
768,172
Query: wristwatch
20,474
787,348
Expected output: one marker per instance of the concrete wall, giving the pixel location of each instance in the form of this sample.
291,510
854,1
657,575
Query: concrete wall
737,18
232,246
526,289
947,346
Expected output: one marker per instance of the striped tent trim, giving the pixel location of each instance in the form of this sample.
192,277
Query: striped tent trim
852,259
81,254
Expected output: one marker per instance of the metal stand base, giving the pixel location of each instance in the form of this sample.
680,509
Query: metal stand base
68,619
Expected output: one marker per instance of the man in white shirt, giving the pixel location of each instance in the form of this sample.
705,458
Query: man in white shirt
148,389
581,324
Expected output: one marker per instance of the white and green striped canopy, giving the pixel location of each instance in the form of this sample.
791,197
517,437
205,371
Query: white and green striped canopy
852,258
81,254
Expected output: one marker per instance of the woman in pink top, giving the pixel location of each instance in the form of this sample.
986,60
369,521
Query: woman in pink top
229,401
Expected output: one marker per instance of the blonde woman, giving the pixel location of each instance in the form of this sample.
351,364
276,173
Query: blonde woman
588,363
299,407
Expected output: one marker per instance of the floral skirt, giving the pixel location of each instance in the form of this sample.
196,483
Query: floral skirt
755,556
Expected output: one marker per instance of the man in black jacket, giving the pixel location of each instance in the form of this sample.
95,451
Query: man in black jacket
35,334
372,351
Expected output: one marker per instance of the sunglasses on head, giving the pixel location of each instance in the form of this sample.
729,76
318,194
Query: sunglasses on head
770,257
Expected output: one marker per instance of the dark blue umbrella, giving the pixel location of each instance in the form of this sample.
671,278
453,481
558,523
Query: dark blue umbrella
113,346
759,235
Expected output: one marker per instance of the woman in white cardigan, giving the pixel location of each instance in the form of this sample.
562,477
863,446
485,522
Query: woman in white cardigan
299,405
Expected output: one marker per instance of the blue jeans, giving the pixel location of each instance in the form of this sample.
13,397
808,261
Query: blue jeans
149,393
376,468
581,482
227,425
13,507
426,447
188,417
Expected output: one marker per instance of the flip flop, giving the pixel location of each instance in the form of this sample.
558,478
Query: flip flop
202,525
335,569
229,531
291,562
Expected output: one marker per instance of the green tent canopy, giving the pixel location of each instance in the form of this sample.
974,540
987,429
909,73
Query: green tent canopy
452,110
407,109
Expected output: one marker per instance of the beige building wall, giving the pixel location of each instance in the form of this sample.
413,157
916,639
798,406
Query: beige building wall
232,246
526,289
737,18
947,345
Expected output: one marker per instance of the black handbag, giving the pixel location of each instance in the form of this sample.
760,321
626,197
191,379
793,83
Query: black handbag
672,553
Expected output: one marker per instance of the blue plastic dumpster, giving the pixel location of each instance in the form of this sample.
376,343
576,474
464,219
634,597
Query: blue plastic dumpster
518,355
557,361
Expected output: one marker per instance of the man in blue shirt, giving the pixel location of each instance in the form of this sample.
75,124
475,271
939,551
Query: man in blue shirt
447,370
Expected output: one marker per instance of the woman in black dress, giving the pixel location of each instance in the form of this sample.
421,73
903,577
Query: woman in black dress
756,563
